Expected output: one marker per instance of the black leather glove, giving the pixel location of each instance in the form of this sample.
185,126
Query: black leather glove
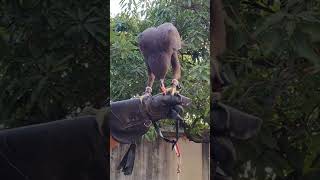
132,118
229,123
224,157
159,106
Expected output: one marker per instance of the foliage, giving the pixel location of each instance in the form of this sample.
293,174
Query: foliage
273,60
52,59
128,71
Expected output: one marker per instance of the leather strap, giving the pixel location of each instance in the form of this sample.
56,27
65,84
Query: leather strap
127,161
128,124
177,118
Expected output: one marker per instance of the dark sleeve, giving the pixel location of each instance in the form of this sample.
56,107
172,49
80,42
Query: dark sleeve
64,150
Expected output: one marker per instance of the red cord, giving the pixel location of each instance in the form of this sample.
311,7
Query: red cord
176,148
163,90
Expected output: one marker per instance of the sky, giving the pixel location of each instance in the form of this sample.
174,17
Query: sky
114,7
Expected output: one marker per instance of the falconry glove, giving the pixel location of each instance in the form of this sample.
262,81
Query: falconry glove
132,118
230,123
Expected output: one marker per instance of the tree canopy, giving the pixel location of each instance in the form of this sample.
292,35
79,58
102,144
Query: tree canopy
52,59
273,61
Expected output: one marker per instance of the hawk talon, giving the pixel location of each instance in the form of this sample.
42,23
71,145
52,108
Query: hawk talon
148,90
179,86
173,91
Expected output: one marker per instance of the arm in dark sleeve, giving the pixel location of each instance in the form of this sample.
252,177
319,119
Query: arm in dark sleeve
64,150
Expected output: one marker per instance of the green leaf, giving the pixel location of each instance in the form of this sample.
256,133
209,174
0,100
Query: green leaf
62,64
271,20
271,41
312,29
312,174
308,16
290,28
304,48
240,39
38,91
269,140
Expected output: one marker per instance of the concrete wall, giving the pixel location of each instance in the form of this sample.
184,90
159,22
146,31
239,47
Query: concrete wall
156,161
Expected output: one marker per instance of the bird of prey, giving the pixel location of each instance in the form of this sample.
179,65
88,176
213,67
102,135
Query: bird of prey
159,46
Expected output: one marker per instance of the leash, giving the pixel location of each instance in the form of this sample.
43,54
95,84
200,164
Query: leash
176,148
178,119
175,115
178,167
127,161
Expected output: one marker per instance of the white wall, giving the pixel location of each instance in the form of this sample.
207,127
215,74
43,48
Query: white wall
156,161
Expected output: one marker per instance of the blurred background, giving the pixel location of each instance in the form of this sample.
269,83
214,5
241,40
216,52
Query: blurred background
52,59
273,60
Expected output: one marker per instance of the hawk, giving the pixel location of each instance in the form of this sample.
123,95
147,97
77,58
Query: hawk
159,47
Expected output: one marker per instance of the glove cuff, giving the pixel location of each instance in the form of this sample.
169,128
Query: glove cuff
129,120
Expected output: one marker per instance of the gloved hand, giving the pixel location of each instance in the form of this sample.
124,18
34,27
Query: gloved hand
229,123
132,118
129,119
159,106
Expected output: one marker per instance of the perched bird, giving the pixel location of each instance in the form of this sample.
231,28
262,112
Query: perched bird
159,46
